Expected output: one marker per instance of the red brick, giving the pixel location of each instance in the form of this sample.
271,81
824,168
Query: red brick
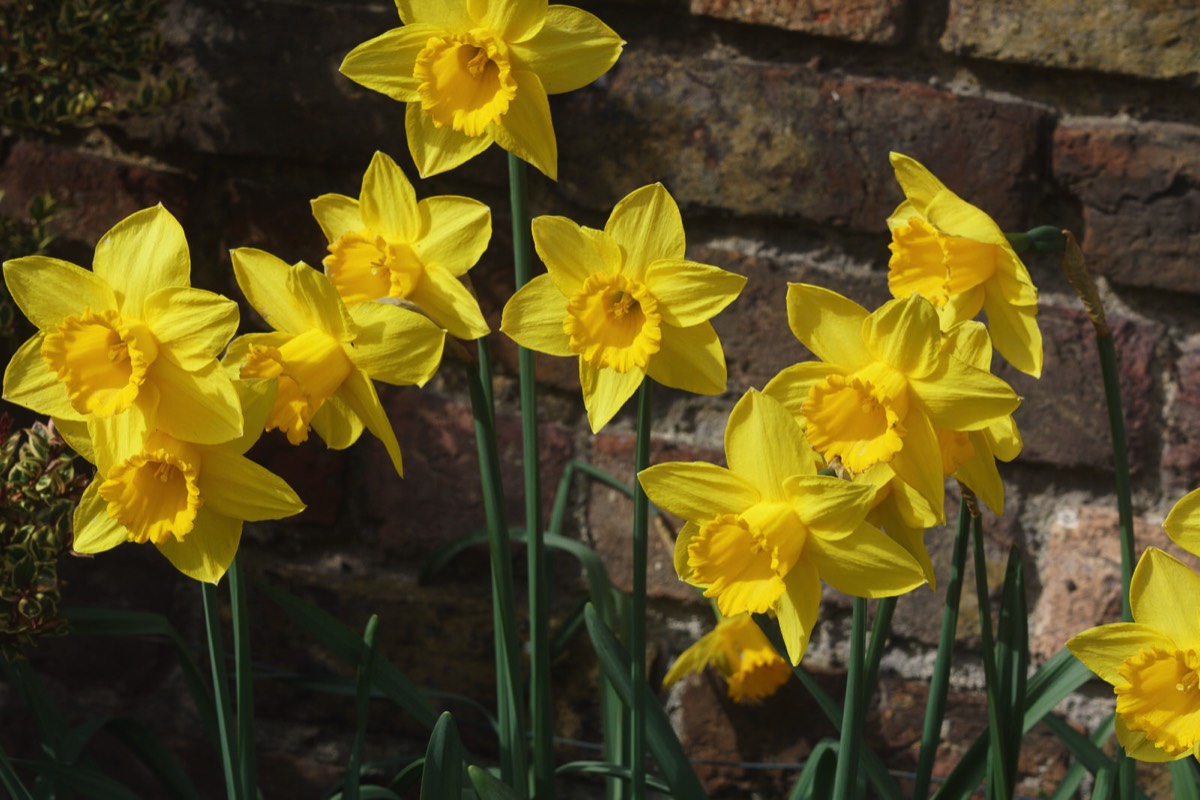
860,21
1139,184
1181,453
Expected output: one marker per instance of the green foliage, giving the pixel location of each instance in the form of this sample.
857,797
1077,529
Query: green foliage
39,489
20,238
73,63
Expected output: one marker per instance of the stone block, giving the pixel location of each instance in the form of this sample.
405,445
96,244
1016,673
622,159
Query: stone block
1181,452
860,21
1139,184
1149,40
790,141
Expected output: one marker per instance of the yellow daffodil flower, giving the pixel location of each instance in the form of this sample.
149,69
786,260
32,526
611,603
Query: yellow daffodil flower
883,383
1153,662
626,302
473,72
129,335
1183,523
741,653
387,244
324,356
956,257
763,534
188,499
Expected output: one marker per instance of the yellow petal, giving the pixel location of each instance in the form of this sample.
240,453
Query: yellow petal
263,278
969,342
697,491
533,318
143,253
95,530
683,541
573,253
946,210
1183,523
792,385
764,446
572,49
239,349
905,334
385,64
828,324
207,551
336,424
1163,595
447,15
198,405
693,659
29,382
526,130
455,232
321,301
1004,439
234,486
192,326
605,391
912,538
116,438
47,290
257,398
337,214
449,303
920,185
981,476
865,564
689,293
1138,746
828,506
1015,333
919,462
797,608
395,345
435,150
959,397
75,433
513,20
388,203
1105,648
690,359
358,393
647,225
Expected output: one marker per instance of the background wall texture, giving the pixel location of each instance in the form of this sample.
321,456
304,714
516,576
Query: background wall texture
770,121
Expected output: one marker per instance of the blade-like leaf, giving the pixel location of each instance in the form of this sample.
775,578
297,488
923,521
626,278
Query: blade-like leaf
362,695
610,770
488,786
816,779
1070,782
1185,782
442,777
1012,661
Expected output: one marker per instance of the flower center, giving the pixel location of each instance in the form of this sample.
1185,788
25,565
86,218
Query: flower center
737,565
927,262
1161,697
858,418
466,81
613,323
101,360
155,493
309,368
364,268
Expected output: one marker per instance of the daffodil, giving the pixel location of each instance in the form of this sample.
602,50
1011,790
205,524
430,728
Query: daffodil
883,384
386,244
741,653
954,255
1183,523
626,302
324,355
1153,663
130,335
473,72
763,533
188,499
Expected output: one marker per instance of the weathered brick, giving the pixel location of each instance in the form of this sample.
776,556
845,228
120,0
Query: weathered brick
1063,417
1152,40
789,140
1139,184
860,21
1181,451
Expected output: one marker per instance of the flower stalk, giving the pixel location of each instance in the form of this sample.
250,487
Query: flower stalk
637,628
846,778
216,658
244,676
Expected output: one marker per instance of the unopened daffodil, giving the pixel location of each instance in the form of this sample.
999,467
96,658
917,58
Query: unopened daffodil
738,650
128,336
625,302
473,72
387,244
325,356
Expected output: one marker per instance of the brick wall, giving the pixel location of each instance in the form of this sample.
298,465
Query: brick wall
770,121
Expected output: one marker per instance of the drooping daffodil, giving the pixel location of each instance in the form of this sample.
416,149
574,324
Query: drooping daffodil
763,533
128,336
956,257
387,244
739,651
473,72
626,302
324,356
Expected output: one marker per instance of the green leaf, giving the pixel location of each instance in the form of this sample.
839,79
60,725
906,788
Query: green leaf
610,770
442,778
488,786
614,663
347,645
817,777
1185,783
1070,782
408,776
370,793
366,668
1105,787
1012,661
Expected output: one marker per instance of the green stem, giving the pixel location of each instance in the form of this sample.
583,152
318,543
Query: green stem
880,629
540,704
244,671
637,627
939,685
1116,423
362,702
216,658
508,663
997,778
846,778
